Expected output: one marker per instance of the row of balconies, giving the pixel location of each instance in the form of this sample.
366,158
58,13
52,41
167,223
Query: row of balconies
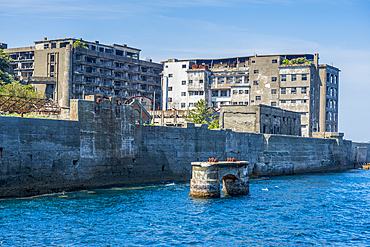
127,87
124,68
113,77
107,92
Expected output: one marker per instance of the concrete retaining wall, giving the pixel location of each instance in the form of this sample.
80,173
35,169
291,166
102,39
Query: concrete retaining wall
103,146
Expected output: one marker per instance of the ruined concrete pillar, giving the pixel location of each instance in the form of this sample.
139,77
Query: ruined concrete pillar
204,182
207,176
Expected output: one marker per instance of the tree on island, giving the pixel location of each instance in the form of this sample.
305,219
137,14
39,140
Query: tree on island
5,77
202,115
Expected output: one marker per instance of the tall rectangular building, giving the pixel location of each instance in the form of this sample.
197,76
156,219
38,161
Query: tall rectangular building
65,71
299,85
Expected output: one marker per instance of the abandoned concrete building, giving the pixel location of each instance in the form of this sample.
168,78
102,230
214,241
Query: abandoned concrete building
260,119
64,71
22,62
308,88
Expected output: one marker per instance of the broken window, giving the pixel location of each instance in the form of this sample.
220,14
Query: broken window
191,104
255,82
183,93
240,91
240,103
304,77
246,91
293,90
283,90
273,103
190,81
235,91
293,77
183,83
169,99
274,79
62,45
256,71
273,91
258,97
169,88
303,90
90,60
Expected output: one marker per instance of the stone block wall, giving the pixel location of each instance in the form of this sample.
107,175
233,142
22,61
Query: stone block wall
103,146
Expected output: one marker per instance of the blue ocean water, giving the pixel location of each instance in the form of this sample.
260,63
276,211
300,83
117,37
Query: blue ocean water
331,209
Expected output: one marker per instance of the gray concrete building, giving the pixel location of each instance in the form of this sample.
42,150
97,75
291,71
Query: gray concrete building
308,88
260,119
22,62
63,71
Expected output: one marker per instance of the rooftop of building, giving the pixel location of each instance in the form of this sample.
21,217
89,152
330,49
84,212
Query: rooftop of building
239,58
328,66
20,49
85,41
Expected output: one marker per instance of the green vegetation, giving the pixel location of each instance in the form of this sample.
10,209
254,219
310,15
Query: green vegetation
202,115
80,44
299,60
18,90
5,77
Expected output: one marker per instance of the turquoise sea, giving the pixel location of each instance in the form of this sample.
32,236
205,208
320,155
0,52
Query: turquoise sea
321,209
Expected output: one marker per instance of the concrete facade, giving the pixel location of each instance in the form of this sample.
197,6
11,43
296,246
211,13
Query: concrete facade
260,79
22,62
102,146
64,72
260,119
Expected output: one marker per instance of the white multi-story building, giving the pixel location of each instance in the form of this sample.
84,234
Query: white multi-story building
308,88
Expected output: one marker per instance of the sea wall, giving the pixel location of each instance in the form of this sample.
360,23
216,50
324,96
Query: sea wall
102,146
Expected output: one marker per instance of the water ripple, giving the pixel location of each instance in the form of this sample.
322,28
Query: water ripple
303,210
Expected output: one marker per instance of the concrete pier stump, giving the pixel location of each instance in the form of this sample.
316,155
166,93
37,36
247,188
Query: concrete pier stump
207,177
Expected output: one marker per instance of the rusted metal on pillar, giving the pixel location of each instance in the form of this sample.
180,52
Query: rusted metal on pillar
207,177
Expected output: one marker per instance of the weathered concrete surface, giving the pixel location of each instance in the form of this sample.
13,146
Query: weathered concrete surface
103,146
207,176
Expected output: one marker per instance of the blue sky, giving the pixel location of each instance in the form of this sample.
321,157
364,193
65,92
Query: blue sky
339,30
